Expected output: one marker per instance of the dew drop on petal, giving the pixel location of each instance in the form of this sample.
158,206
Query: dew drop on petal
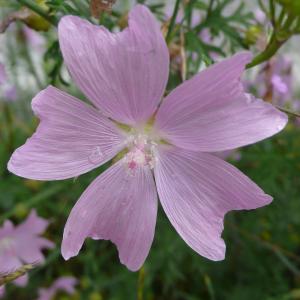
96,155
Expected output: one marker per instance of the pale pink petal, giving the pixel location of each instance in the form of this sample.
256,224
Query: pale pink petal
9,262
66,284
124,74
2,291
196,190
21,281
212,113
117,206
32,225
29,248
7,229
71,139
28,243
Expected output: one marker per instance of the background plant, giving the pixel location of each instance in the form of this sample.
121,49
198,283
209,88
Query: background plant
263,260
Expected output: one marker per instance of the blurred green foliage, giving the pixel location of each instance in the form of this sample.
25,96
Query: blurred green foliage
263,246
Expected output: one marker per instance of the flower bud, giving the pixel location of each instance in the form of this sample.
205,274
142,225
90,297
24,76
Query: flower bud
35,21
253,34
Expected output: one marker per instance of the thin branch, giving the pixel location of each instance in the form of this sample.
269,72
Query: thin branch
272,13
290,112
39,10
172,22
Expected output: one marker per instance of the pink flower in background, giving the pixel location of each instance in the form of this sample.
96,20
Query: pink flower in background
65,284
3,76
124,75
34,39
7,92
11,94
260,16
22,244
274,81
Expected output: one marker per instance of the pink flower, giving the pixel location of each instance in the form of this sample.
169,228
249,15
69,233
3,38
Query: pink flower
260,16
3,76
275,79
66,284
34,39
22,245
7,91
124,75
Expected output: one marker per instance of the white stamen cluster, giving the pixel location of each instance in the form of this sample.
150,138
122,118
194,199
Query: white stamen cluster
141,152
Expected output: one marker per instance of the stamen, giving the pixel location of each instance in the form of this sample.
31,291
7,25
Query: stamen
140,153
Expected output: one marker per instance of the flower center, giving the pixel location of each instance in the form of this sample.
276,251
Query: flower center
141,152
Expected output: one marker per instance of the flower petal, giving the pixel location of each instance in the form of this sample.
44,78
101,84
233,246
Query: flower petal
29,249
66,283
72,138
211,112
196,190
2,291
124,74
33,225
9,263
21,281
117,206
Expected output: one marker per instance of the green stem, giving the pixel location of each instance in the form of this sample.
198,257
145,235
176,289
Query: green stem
272,12
290,112
34,200
209,9
262,6
39,10
275,43
141,282
32,67
280,19
172,22
271,49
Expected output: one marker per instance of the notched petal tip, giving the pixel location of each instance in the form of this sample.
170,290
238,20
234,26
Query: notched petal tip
219,254
266,200
66,255
70,249
131,266
12,165
40,96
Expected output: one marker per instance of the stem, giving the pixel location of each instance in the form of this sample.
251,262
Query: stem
274,44
172,22
290,112
32,67
280,19
6,278
262,6
141,281
272,12
271,49
209,9
39,10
